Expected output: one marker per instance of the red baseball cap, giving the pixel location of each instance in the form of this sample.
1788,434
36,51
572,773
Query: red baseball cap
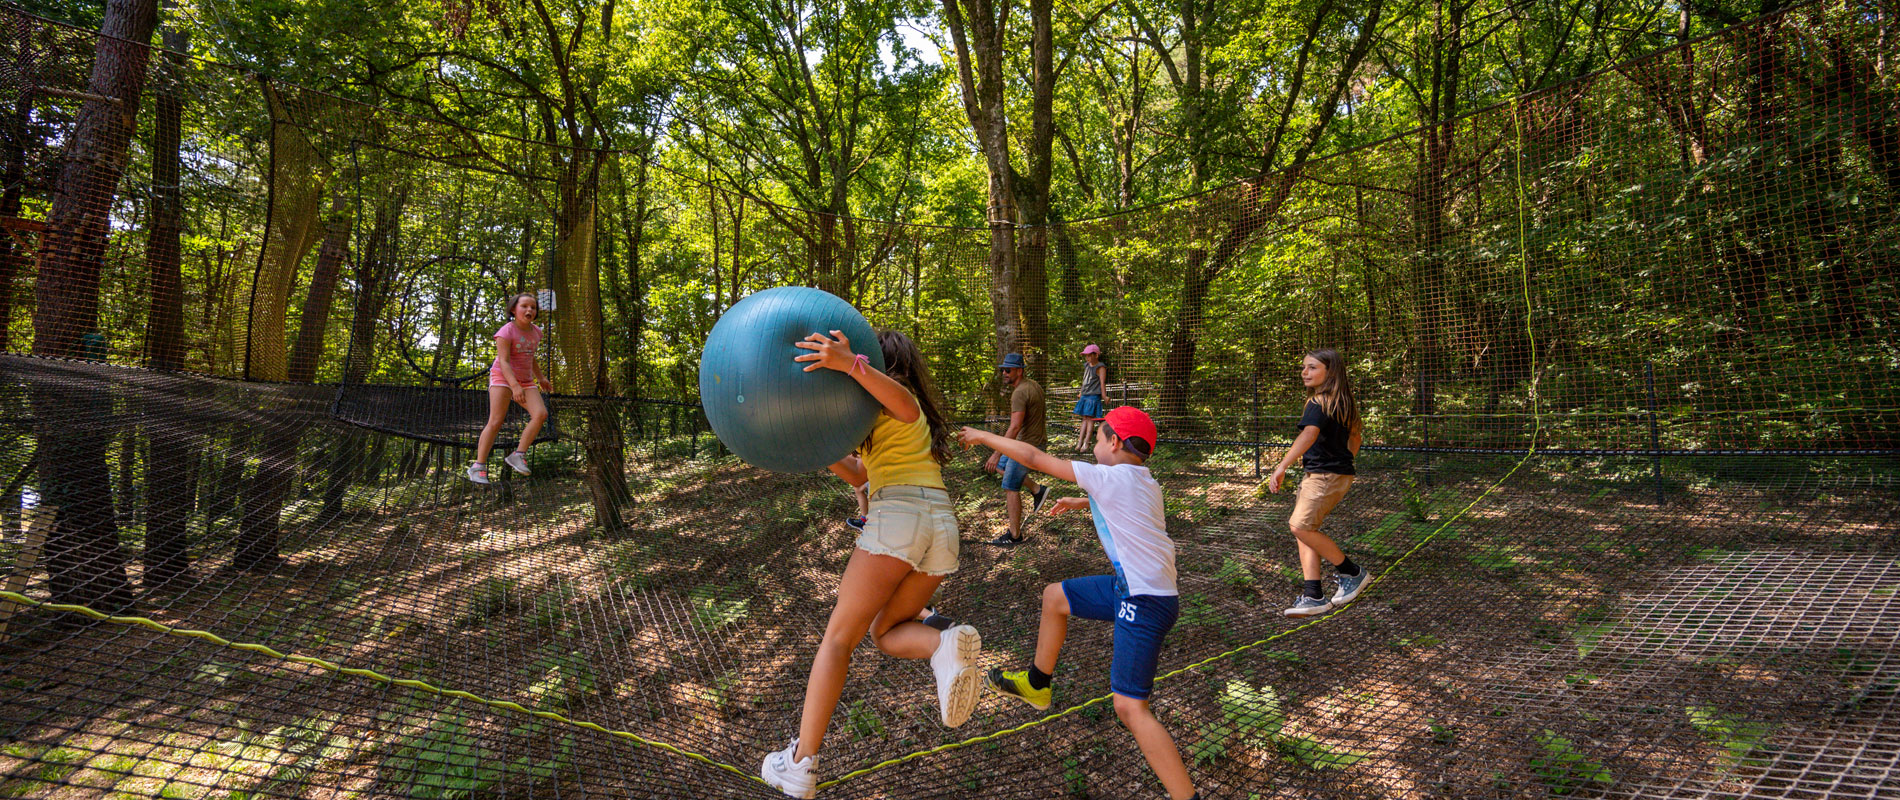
1134,427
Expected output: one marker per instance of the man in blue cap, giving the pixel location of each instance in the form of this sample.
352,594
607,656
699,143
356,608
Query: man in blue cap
1027,419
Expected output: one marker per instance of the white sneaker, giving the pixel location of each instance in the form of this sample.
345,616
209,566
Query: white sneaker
477,472
957,680
1308,606
794,778
518,460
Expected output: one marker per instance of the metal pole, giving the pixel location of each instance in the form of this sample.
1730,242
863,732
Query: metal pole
1655,439
1255,433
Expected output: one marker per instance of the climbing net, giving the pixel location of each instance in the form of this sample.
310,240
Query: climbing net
1628,494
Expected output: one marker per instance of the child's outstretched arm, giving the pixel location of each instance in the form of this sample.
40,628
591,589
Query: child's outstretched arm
1308,435
1020,452
835,353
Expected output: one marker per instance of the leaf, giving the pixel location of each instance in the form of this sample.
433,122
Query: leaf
1251,710
1318,756
1742,740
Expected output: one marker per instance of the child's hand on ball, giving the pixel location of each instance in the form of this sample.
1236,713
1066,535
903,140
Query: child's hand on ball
828,353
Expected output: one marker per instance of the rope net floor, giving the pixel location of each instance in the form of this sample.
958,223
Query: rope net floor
1536,627
1625,346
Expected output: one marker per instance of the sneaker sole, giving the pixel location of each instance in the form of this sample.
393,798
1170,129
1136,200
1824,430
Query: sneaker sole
766,777
518,470
965,687
1309,612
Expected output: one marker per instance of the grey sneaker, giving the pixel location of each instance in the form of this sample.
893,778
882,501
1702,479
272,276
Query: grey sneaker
518,460
794,778
1350,586
477,472
1309,606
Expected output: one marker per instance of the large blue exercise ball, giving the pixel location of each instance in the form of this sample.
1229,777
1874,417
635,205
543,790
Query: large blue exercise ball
763,405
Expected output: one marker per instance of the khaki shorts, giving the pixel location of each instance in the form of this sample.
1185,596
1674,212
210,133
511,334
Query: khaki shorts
915,524
1319,493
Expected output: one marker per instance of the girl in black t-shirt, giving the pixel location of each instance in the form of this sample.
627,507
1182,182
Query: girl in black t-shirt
1328,439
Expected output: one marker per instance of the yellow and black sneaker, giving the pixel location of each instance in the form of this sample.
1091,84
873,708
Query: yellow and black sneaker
1016,684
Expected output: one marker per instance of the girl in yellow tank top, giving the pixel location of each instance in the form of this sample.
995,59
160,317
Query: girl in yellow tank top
909,543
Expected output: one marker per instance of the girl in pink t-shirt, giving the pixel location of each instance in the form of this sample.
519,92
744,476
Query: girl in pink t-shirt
513,377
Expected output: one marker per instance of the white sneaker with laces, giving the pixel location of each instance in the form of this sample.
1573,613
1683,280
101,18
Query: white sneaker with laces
477,472
794,778
518,460
954,664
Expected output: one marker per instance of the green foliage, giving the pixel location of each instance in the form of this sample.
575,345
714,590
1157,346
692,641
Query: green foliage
1744,743
863,721
1072,777
445,763
492,597
1197,610
1563,768
713,613
561,678
1588,637
1255,716
1234,573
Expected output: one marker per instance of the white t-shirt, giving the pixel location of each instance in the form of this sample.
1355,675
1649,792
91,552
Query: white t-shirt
1125,501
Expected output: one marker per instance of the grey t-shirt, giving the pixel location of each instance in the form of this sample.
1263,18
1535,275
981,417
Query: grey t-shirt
1091,378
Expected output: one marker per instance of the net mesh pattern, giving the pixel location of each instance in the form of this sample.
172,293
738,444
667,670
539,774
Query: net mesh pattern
1624,349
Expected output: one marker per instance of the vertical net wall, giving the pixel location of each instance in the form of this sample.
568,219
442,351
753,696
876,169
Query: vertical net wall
1624,349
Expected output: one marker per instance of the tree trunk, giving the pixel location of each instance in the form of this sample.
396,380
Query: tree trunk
307,354
74,242
295,198
171,480
165,345
980,55
83,557
582,336
12,190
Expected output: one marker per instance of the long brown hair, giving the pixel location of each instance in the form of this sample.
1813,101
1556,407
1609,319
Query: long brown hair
1335,395
906,366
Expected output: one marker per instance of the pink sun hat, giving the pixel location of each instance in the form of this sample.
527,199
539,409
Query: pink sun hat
1091,349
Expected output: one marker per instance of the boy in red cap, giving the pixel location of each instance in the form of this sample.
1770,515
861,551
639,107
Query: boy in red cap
1140,596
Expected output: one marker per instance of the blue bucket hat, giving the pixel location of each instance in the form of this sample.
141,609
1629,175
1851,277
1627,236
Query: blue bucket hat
1011,361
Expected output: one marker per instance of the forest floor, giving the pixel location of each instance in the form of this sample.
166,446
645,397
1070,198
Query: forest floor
1548,631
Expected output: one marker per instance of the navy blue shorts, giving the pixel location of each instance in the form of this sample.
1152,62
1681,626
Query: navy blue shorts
1140,624
1088,405
1013,474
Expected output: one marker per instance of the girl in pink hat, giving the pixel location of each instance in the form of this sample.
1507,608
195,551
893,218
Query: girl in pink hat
1089,405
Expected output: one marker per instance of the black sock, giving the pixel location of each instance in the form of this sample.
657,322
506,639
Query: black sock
1038,679
938,621
1347,568
1312,589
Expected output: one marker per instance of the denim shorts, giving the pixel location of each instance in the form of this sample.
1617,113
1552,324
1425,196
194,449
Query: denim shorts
916,524
1088,405
1013,474
1141,622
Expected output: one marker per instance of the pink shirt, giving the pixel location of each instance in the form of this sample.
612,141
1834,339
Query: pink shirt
523,361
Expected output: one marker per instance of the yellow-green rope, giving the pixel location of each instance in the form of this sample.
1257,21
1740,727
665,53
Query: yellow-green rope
357,672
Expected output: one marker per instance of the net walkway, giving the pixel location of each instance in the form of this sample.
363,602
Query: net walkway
1624,345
